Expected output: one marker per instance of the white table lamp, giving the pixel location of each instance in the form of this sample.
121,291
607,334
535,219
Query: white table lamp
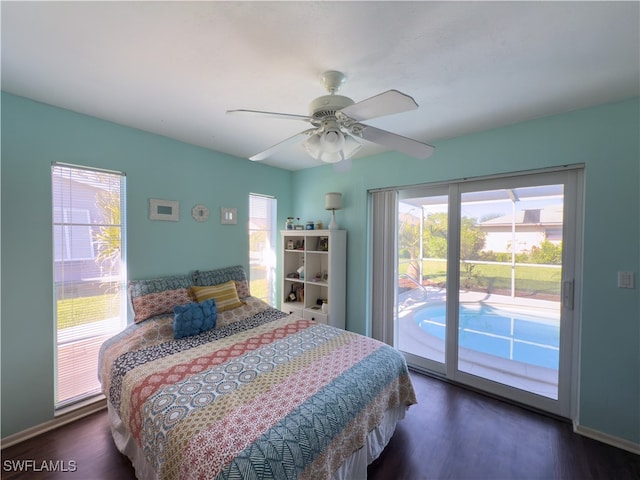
333,202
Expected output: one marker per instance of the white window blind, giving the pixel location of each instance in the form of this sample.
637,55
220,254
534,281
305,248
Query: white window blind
262,241
89,273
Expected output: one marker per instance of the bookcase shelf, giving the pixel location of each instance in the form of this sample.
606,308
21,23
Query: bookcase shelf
314,271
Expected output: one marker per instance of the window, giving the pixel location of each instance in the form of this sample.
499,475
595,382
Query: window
89,273
66,221
262,240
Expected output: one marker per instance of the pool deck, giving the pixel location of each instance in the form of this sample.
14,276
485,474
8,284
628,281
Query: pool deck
412,339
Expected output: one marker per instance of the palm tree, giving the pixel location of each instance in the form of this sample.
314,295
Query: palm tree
107,237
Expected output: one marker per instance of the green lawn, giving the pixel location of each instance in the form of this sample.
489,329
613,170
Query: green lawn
82,310
530,280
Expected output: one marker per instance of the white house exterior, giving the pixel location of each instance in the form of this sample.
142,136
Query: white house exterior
529,228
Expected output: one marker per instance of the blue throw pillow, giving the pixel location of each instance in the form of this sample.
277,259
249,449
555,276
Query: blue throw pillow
194,318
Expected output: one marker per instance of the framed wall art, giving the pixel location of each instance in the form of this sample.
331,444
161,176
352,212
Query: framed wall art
200,213
168,210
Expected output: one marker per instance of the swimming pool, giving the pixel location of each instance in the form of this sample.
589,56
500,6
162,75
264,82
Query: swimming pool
528,336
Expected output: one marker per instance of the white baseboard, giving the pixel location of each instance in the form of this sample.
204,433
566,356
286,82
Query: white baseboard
608,439
60,420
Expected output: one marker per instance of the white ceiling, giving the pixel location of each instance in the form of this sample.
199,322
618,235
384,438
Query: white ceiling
174,68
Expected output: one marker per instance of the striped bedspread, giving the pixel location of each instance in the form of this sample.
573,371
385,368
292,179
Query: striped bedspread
267,396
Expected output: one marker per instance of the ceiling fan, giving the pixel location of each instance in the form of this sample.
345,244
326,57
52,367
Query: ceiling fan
337,130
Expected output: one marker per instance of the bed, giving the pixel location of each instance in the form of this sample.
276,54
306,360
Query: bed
254,393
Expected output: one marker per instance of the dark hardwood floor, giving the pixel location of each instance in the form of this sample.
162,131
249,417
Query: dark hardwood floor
453,433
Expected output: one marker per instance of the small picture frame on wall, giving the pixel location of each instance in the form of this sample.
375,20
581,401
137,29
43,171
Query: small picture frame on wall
168,210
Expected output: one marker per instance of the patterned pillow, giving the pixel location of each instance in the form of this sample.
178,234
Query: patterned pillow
158,303
194,318
242,286
225,294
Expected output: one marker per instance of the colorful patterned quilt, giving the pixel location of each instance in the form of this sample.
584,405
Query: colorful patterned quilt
265,396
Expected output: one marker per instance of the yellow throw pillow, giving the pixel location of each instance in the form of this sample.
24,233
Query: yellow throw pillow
225,294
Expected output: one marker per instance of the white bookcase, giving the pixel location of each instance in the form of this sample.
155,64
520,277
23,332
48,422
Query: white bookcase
314,268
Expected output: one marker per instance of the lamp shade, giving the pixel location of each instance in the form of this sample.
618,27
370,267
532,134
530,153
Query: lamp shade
333,201
350,147
312,145
330,157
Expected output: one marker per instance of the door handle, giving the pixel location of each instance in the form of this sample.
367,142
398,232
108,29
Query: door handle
567,294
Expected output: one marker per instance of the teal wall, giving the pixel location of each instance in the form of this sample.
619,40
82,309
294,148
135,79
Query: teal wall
33,136
605,139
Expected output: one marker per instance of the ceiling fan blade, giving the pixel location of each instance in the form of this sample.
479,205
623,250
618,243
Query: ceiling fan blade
394,141
286,116
297,138
387,103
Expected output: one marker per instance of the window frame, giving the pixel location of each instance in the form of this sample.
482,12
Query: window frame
82,325
268,259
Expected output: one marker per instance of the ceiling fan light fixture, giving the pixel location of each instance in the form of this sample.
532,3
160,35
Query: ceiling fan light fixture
312,146
331,157
351,146
331,141
325,151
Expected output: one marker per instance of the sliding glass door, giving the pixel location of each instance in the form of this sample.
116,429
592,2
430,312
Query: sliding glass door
486,279
423,229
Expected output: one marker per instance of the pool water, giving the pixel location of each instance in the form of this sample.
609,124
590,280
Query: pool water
513,335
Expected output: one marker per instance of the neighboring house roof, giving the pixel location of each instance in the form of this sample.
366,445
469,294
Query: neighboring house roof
548,216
